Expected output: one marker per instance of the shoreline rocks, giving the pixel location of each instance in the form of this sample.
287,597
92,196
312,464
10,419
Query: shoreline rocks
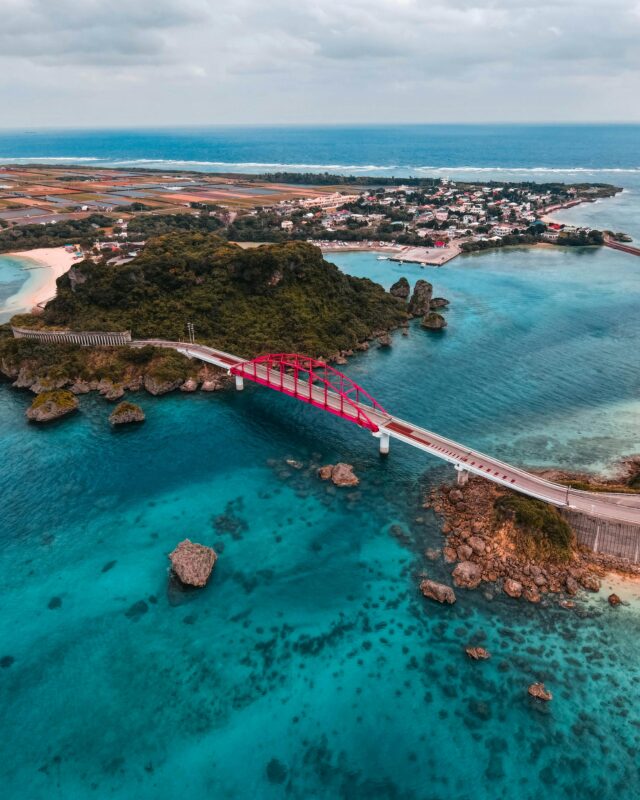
486,548
126,413
49,406
467,575
192,563
437,591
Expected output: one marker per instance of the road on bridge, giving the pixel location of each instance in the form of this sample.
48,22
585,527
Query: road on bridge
611,506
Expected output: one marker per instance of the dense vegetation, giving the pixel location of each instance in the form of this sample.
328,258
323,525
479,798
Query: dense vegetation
272,298
541,532
147,226
56,364
73,231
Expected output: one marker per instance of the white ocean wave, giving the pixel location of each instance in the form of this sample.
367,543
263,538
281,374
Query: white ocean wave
39,159
407,169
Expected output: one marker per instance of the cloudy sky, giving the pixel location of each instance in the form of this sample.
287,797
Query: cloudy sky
167,62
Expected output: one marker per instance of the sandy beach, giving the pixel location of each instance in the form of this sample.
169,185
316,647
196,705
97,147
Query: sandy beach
44,266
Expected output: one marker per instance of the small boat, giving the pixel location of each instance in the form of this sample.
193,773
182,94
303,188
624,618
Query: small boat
383,258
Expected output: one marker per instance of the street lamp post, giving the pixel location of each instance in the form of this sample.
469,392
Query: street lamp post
191,332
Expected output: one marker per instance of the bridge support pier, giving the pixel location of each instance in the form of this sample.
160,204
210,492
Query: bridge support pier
239,383
462,477
384,444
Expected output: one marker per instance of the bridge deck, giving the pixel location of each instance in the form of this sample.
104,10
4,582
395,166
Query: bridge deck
619,507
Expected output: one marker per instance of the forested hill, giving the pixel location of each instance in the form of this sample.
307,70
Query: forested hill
282,297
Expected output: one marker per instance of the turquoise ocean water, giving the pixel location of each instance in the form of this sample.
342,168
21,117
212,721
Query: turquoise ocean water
310,666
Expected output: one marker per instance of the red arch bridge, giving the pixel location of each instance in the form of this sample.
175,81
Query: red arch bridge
324,387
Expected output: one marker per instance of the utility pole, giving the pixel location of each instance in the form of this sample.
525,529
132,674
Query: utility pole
191,332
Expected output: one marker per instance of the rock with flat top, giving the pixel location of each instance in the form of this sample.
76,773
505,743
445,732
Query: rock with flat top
52,405
192,563
437,591
539,691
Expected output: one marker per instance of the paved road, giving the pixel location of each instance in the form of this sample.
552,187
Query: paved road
618,507
626,248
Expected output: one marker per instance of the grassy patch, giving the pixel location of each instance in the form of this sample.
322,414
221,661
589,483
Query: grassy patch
540,531
61,397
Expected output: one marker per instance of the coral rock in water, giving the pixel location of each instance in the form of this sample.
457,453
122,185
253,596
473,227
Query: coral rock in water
538,690
193,563
477,653
438,591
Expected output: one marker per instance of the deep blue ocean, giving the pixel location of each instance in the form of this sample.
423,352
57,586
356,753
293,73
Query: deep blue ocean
310,667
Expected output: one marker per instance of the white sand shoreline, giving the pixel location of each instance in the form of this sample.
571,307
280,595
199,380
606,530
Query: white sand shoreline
45,265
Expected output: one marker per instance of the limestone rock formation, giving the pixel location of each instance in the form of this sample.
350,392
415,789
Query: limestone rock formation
341,474
156,387
477,653
437,591
420,302
539,691
384,341
190,385
438,302
433,321
192,563
125,413
401,289
467,575
52,405
512,587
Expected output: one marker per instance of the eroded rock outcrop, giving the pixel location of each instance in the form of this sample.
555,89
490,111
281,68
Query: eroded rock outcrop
539,691
52,405
420,302
192,563
437,591
155,386
401,289
126,413
477,653
341,474
438,302
433,321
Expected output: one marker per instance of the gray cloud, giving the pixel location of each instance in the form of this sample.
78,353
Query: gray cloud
328,60
95,31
